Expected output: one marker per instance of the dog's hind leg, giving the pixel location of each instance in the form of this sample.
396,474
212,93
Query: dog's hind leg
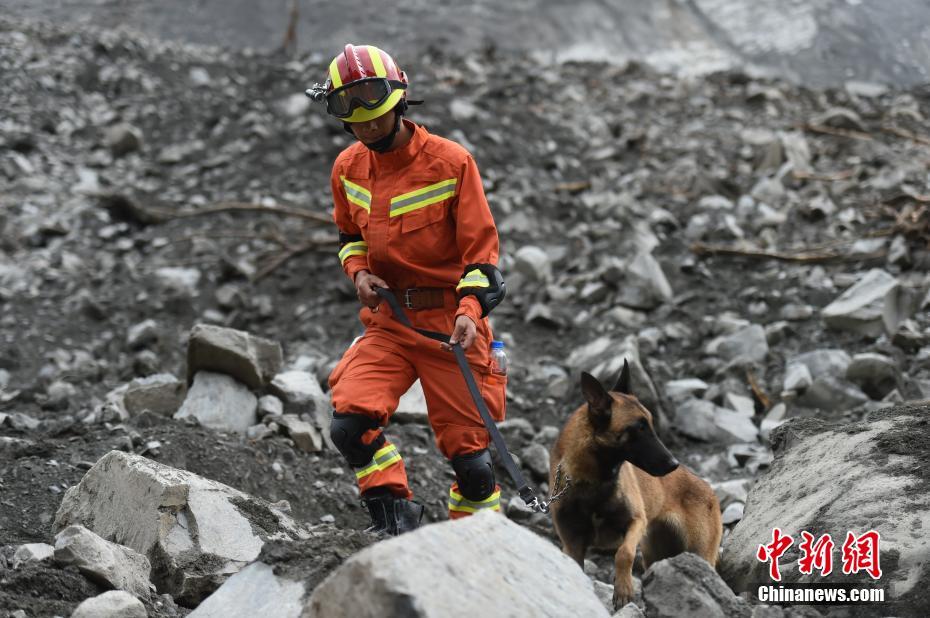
623,561
703,529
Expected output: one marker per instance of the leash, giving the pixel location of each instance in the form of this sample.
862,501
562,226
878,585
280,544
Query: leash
526,492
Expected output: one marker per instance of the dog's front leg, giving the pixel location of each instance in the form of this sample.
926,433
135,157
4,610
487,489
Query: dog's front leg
574,529
576,549
623,562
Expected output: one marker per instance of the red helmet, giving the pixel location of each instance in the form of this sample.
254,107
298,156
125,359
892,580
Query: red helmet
364,83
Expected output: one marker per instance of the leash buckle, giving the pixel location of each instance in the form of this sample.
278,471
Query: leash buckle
532,501
408,302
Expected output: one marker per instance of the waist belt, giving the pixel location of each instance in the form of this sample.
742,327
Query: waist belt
525,491
423,298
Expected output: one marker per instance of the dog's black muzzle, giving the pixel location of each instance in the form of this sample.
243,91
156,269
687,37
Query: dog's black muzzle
650,455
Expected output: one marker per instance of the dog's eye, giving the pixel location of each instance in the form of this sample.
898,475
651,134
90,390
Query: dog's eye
642,425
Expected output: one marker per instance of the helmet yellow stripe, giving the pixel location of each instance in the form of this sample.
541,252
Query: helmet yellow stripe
376,61
334,73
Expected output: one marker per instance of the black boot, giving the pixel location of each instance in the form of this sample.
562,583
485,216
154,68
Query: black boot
391,515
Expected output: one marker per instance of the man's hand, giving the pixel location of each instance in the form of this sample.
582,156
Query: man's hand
365,284
464,333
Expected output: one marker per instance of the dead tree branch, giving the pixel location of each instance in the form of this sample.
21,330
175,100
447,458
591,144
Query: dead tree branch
819,128
834,177
919,139
803,257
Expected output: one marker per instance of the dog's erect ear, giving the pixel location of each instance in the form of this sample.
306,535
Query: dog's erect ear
599,401
623,382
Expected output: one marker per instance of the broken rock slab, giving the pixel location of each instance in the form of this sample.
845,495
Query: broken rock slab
876,304
747,344
304,435
112,604
161,393
32,552
254,591
819,363
220,402
301,394
833,394
686,585
840,478
430,571
194,531
252,360
703,420
646,272
103,562
876,374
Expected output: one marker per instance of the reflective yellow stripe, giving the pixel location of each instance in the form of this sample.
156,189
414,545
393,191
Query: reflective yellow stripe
459,503
473,279
353,248
422,197
357,194
334,73
376,61
382,460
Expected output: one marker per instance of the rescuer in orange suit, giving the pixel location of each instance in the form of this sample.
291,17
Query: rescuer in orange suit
412,217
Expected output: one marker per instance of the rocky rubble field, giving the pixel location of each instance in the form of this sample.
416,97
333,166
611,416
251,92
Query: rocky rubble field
758,251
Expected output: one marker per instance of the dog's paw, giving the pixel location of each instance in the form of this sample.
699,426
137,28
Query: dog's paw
623,593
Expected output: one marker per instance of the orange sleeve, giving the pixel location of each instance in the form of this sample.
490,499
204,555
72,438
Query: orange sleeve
475,232
353,250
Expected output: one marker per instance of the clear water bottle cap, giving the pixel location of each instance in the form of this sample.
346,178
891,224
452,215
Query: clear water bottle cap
497,345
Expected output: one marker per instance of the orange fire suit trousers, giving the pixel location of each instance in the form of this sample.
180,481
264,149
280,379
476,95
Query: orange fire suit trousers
379,368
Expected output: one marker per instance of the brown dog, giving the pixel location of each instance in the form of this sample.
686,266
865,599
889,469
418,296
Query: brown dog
625,488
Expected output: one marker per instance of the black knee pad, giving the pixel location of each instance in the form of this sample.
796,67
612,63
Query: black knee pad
474,473
346,431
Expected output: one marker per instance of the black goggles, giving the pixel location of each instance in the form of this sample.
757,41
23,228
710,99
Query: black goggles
368,93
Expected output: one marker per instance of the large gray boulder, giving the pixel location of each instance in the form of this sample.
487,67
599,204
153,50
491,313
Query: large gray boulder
220,402
251,360
833,479
686,585
103,562
194,531
445,569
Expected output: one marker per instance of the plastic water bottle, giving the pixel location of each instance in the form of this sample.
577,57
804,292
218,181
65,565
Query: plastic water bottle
498,358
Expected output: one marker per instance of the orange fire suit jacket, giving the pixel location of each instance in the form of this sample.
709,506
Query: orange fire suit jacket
420,212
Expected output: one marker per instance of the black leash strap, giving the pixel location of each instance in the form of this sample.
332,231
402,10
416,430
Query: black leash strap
525,491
